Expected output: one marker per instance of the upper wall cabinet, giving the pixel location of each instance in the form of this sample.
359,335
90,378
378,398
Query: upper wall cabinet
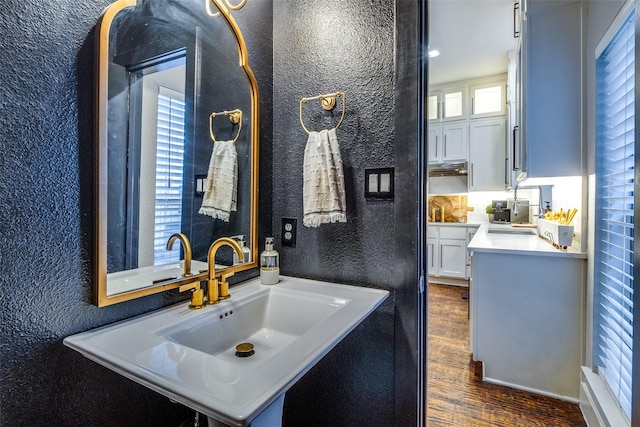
448,104
468,99
448,143
551,107
487,155
488,100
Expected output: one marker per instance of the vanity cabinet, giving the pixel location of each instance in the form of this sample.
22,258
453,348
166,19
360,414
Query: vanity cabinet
448,143
447,252
550,78
487,155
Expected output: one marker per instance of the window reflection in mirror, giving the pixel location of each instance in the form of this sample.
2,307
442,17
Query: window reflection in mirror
151,166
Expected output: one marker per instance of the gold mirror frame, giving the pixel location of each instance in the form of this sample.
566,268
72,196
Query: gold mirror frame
101,299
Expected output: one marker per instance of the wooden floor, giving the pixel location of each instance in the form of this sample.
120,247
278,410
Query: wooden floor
457,397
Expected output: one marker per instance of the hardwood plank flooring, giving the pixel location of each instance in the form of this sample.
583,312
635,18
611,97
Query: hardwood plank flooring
456,396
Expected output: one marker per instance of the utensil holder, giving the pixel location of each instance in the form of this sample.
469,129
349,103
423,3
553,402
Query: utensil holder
557,234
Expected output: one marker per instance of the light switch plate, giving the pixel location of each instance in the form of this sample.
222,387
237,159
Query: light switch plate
378,183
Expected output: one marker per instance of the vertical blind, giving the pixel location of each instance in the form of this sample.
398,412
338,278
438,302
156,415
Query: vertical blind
169,172
615,122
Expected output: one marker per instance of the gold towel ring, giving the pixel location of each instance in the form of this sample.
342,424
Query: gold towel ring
328,103
235,117
229,5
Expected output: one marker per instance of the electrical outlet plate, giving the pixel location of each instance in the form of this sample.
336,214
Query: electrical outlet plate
289,232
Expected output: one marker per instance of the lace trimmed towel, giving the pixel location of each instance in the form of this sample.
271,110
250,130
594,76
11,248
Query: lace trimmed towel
324,199
222,182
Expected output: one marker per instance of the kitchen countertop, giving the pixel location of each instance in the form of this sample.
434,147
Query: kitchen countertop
520,244
455,224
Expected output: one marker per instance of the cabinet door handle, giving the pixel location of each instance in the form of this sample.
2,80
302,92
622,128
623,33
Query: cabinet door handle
516,6
436,156
506,169
472,180
515,131
444,146
473,106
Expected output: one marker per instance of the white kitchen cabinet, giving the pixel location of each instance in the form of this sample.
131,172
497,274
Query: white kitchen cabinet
550,125
433,106
453,257
488,100
487,155
526,319
470,233
447,104
513,88
448,143
433,255
447,252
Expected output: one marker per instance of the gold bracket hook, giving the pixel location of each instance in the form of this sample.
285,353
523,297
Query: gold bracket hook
235,117
328,103
229,5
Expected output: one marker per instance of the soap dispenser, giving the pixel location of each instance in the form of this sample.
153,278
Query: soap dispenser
245,250
269,264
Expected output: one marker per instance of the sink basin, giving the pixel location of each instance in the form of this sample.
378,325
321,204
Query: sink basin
190,355
271,320
513,230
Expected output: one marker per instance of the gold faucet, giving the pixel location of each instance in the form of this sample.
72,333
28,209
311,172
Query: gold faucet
197,294
187,251
214,295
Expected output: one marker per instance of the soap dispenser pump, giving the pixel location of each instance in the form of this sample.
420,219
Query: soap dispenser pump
269,264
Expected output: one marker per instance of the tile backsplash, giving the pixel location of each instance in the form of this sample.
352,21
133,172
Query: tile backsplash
448,208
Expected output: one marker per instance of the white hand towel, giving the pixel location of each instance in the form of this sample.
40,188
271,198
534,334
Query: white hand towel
324,199
222,182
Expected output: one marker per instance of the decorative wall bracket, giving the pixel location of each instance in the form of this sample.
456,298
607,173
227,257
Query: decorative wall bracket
226,2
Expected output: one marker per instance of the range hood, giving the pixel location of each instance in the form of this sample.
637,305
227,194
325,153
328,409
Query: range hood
448,169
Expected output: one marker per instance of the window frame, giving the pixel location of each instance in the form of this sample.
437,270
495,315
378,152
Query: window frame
614,243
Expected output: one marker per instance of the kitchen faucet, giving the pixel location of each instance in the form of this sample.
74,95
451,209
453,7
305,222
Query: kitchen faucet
515,199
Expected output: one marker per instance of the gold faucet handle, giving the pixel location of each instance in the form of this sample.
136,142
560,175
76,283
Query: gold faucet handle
213,295
194,285
224,285
197,294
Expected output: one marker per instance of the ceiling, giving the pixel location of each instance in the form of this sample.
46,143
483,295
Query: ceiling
473,37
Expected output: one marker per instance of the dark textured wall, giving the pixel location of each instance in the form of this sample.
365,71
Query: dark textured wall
46,155
46,220
323,46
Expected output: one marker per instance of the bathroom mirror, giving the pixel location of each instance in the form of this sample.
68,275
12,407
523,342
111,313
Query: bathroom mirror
169,75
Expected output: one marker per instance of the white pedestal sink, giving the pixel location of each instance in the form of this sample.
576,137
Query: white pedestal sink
190,355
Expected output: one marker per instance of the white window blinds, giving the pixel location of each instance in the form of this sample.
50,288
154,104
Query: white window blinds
169,172
615,118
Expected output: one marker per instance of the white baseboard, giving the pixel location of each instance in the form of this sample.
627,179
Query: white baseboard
532,390
449,281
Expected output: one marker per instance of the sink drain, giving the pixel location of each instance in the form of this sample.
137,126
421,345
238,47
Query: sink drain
244,349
